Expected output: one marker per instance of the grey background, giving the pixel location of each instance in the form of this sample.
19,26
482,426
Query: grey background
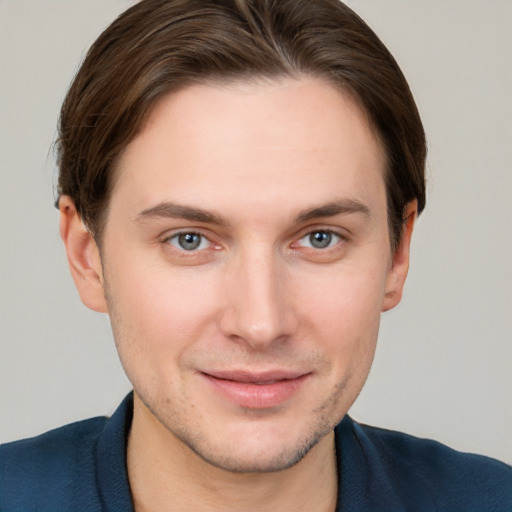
443,365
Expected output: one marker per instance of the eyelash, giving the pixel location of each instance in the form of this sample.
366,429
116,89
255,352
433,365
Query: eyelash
184,234
331,235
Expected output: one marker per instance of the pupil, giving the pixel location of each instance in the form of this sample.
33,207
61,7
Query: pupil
320,239
189,241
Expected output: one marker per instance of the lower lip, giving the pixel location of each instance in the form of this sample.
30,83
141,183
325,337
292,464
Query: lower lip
255,396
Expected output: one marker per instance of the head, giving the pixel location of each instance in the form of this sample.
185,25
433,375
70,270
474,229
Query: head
238,184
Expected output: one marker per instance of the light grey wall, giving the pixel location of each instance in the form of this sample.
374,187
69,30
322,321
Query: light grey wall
443,366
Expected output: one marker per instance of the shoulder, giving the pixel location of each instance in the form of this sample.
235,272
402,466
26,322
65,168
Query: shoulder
49,452
57,465
446,478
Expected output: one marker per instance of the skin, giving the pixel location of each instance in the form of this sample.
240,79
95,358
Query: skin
270,163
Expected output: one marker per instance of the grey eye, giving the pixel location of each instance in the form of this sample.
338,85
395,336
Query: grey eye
320,239
189,241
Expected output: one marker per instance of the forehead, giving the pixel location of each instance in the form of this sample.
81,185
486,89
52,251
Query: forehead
264,140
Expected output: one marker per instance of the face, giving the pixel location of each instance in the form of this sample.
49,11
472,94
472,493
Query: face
245,262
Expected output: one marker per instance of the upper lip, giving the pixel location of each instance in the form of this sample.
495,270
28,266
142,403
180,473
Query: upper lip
268,376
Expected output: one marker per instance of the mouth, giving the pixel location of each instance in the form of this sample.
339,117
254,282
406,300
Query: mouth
256,390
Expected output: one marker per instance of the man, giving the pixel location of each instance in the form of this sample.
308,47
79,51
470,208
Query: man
238,187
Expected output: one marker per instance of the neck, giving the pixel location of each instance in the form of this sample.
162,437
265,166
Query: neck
167,476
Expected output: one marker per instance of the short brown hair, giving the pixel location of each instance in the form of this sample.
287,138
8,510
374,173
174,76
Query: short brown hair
158,46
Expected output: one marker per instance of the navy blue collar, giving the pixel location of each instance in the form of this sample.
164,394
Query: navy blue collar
110,460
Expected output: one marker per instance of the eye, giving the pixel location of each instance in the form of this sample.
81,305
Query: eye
320,239
189,241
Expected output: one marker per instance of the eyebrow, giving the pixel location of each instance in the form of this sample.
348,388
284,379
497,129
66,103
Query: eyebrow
178,211
341,207
193,214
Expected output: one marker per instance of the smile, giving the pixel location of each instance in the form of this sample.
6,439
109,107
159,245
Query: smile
256,390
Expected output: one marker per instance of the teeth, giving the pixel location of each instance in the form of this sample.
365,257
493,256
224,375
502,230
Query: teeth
265,382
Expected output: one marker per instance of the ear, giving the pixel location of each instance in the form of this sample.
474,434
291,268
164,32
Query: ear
83,256
400,261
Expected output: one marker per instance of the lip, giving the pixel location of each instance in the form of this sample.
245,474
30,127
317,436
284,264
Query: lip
256,390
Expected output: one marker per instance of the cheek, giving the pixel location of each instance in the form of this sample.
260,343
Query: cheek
156,313
346,313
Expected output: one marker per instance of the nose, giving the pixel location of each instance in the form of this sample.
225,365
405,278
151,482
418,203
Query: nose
258,308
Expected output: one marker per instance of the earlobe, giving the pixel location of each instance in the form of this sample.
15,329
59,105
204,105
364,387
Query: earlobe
83,256
400,262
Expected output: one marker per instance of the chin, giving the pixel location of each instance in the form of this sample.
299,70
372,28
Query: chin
255,455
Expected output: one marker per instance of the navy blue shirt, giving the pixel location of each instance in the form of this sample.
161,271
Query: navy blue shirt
82,468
